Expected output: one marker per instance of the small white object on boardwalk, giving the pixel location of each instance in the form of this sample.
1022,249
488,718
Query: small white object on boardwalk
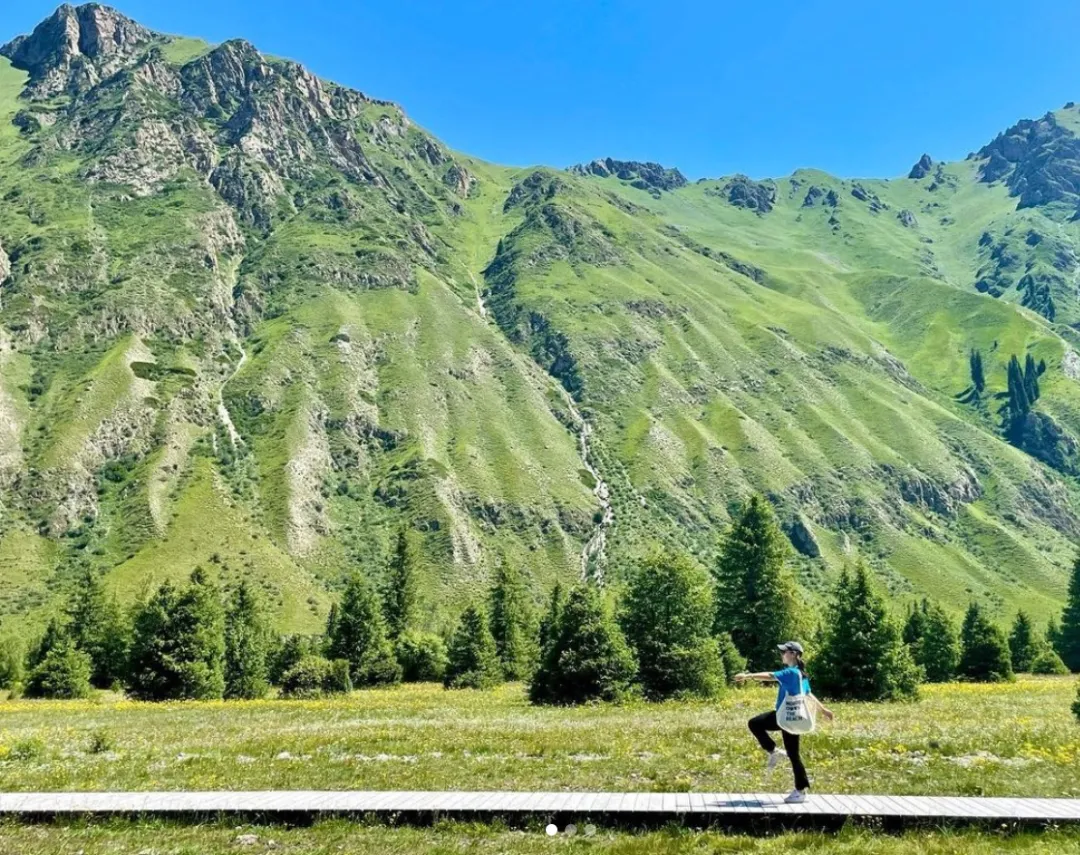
613,807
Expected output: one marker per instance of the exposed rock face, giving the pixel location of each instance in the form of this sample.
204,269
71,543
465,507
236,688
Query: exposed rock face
814,194
75,48
533,188
907,219
744,192
5,265
871,199
941,498
922,168
459,179
802,537
1039,161
651,177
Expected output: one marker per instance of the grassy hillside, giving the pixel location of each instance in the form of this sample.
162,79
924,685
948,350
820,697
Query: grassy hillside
256,322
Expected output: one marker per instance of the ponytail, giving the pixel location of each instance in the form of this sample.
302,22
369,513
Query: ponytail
800,664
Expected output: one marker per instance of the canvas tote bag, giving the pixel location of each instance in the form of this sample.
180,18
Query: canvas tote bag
796,713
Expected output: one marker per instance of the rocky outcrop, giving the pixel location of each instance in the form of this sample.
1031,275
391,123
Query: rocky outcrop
802,537
533,188
217,84
922,168
650,177
459,179
1044,439
76,48
744,192
1038,159
907,219
5,265
939,497
863,195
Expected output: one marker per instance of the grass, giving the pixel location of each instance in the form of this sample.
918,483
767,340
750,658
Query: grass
1022,742
1016,739
113,838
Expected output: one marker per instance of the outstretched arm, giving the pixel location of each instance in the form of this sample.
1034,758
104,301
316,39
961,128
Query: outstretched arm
825,711
760,676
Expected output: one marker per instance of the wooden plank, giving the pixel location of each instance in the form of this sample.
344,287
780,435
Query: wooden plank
814,804
918,805
835,805
878,805
641,802
1064,808
573,804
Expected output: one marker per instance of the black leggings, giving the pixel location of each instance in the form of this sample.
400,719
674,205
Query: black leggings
760,725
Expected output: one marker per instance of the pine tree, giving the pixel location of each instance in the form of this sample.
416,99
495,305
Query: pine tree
200,624
586,658
178,646
55,634
1069,642
1031,378
1023,646
402,591
361,637
667,617
99,627
152,671
12,659
1019,400
755,594
62,674
332,622
984,653
473,661
247,642
513,622
863,655
978,375
937,652
915,625
550,622
1053,635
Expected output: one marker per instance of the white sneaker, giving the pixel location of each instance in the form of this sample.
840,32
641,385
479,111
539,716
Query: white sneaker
774,759
797,797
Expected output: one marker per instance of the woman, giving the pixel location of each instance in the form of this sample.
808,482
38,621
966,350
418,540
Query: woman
791,677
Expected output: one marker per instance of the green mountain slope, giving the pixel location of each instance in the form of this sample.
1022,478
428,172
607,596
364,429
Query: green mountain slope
256,321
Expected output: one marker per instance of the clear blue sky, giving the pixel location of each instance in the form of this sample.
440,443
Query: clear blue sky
856,87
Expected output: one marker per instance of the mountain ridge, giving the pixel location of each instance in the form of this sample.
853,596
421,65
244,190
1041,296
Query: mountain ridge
257,321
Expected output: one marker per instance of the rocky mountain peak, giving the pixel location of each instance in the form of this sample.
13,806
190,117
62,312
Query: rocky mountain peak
76,47
922,168
1039,159
651,177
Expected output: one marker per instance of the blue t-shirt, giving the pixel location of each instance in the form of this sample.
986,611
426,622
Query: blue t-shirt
788,678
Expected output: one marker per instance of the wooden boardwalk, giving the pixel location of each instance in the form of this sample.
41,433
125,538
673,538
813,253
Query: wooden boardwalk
560,808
